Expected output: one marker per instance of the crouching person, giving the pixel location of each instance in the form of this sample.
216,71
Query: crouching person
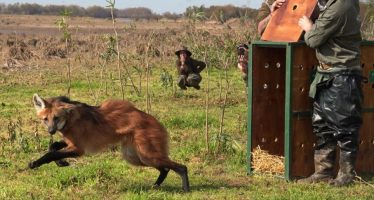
188,69
242,50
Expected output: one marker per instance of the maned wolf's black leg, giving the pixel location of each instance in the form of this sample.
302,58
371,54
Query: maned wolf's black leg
53,156
57,146
163,173
181,170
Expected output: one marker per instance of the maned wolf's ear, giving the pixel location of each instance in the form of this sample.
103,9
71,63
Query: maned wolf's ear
38,102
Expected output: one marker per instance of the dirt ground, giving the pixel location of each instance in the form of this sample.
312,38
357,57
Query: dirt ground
27,40
46,25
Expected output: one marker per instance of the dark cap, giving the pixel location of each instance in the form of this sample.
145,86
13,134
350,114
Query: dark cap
242,45
241,49
183,48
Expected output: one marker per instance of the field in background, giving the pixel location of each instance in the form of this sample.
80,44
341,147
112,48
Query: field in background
34,59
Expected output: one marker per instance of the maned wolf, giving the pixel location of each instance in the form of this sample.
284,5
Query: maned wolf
89,129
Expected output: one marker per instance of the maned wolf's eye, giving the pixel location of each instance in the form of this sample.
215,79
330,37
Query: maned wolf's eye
55,118
45,120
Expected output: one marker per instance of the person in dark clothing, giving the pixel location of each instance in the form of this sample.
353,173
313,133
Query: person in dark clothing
242,51
188,69
336,89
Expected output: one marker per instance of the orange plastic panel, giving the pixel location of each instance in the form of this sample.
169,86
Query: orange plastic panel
283,25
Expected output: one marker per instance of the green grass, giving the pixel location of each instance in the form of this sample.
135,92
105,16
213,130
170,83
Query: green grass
107,177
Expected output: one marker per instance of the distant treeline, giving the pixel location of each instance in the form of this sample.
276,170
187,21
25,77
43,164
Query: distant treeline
219,13
213,12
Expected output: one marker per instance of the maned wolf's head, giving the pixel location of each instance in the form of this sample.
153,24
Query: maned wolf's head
53,112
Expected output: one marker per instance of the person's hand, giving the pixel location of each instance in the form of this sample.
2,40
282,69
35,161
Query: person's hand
277,4
242,63
182,59
305,23
182,64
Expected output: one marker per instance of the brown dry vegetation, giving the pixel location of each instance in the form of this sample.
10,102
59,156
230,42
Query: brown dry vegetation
38,39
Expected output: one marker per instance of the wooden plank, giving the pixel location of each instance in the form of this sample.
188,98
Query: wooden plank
365,158
268,99
367,63
303,147
302,144
283,25
304,63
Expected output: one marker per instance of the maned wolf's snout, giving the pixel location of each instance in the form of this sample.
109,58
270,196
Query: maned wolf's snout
52,130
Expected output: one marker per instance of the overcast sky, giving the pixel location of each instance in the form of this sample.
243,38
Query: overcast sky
158,6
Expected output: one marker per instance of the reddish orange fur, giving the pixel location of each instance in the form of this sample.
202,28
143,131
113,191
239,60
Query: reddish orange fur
89,129
92,129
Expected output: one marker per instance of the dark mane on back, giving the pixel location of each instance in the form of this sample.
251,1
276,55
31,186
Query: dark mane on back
88,112
66,99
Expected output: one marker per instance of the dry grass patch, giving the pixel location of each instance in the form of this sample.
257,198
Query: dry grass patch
264,162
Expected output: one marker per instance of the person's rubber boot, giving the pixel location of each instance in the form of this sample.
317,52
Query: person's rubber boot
324,160
348,143
347,173
182,83
345,176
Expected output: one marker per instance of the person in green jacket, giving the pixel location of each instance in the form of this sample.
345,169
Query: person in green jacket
188,69
265,12
336,88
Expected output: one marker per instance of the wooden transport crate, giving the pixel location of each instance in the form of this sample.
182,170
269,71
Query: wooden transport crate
279,108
